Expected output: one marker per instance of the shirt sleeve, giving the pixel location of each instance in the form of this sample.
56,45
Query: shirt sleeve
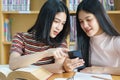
64,44
116,44
17,44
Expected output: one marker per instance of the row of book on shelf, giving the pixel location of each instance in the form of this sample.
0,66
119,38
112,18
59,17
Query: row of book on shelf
7,29
73,33
15,5
73,4
107,4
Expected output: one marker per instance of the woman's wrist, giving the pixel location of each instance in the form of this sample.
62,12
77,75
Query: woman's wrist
42,54
46,54
66,69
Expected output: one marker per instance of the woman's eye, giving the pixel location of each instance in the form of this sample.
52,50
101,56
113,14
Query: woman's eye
81,21
56,21
89,20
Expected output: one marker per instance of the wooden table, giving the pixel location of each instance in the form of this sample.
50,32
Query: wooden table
67,75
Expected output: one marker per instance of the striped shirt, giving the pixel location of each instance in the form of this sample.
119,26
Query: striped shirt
24,43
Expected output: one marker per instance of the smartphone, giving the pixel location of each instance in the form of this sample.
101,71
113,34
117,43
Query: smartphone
75,54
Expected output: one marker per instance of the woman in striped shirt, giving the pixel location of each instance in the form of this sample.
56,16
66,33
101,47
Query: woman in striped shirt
44,43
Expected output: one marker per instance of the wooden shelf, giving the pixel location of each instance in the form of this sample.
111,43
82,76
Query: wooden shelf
7,43
72,12
113,12
72,43
109,12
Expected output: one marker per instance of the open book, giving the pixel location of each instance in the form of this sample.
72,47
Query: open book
29,73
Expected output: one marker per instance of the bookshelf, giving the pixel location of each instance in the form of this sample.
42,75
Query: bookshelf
22,21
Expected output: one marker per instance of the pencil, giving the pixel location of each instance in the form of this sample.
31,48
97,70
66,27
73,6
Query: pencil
100,78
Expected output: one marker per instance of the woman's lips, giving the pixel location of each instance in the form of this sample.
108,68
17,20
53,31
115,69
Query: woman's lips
55,33
88,30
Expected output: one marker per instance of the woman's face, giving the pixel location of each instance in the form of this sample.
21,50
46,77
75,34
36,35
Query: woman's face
89,23
58,23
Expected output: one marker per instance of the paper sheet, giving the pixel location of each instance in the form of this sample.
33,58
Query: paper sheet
86,76
60,79
5,69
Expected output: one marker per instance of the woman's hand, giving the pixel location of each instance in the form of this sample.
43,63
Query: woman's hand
59,55
93,69
56,67
71,64
57,52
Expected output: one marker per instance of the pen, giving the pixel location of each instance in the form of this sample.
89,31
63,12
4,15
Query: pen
100,78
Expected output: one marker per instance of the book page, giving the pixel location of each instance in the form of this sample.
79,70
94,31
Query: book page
30,68
5,69
60,79
31,72
86,76
34,72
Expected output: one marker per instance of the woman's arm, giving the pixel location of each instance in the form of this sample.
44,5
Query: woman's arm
107,70
112,70
56,67
17,61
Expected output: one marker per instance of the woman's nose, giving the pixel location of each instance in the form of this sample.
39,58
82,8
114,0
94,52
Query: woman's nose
59,26
85,24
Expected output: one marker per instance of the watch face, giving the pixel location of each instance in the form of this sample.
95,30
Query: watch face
74,54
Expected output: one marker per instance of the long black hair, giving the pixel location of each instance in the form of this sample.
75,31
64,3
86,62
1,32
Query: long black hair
42,27
96,8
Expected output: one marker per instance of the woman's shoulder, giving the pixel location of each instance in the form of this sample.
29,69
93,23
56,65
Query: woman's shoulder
110,38
116,39
23,34
64,44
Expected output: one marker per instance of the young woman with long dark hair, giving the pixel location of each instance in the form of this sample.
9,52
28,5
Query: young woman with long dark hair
44,43
97,38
